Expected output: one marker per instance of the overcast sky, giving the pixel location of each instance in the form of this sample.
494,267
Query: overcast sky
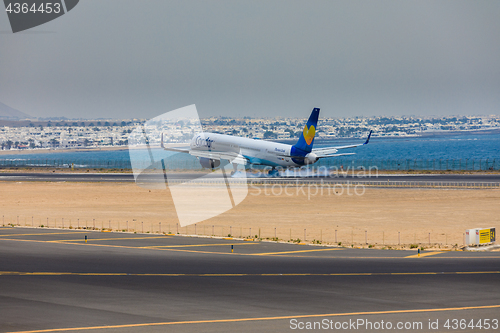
141,58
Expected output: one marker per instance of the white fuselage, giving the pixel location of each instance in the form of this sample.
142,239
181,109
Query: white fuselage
256,151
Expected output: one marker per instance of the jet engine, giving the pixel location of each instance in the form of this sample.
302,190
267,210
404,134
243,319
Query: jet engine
208,163
311,158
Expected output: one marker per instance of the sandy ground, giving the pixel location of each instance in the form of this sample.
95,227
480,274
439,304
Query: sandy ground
386,217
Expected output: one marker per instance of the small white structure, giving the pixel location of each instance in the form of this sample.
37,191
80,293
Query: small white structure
480,236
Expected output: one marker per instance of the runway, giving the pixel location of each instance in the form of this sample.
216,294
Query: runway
51,280
185,176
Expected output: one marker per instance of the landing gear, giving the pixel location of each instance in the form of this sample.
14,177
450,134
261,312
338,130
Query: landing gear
235,169
273,172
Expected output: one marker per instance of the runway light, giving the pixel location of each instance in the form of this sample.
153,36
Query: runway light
231,248
85,239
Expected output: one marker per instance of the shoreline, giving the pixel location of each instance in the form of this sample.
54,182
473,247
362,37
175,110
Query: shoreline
318,140
76,150
65,150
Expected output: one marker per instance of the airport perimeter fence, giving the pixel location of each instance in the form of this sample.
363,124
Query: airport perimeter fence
335,163
335,235
329,185
414,164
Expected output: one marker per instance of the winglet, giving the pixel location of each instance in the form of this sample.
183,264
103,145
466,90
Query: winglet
368,139
162,140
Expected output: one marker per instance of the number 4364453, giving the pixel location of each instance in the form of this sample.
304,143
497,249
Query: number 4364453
485,324
47,8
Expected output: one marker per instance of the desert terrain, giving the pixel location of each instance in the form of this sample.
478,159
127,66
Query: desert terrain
378,217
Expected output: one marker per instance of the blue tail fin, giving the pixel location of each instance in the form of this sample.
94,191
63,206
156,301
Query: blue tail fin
306,139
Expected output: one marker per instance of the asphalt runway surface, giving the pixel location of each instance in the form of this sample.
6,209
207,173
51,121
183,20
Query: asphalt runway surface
128,177
52,281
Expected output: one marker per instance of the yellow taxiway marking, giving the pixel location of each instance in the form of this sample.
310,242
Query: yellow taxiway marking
283,254
103,239
202,245
3,273
214,321
126,247
39,234
288,252
426,254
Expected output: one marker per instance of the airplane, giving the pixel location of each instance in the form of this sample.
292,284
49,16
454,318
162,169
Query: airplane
211,148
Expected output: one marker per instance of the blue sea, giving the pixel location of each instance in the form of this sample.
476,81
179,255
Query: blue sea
464,151
483,146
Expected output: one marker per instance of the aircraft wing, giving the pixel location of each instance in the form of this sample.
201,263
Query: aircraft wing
323,155
213,155
184,149
177,149
220,155
332,151
316,150
320,155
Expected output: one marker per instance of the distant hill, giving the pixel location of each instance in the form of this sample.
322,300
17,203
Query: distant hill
6,112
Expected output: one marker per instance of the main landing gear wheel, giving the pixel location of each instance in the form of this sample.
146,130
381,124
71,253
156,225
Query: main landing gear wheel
273,173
